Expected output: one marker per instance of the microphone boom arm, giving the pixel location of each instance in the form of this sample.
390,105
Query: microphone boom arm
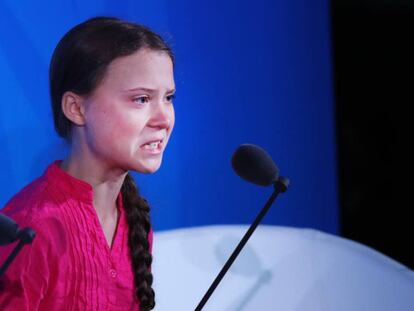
280,186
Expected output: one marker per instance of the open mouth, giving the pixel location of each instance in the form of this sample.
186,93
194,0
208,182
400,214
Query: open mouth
154,146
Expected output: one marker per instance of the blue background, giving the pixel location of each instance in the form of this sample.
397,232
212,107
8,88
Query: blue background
246,71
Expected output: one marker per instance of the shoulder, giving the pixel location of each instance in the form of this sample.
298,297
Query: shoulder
34,206
30,207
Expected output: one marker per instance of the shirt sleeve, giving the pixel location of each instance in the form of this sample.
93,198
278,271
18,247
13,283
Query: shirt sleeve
25,282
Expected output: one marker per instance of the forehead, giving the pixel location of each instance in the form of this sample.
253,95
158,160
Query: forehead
144,68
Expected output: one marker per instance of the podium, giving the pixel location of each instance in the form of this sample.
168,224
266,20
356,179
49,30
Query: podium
280,268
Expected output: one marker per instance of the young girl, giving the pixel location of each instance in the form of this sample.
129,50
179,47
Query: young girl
111,86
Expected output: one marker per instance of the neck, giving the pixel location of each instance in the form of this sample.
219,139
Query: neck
106,182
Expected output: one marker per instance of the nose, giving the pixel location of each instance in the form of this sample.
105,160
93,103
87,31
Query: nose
161,115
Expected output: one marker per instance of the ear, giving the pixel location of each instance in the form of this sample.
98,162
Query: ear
73,107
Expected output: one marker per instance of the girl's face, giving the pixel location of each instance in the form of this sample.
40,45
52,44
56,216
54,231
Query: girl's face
129,117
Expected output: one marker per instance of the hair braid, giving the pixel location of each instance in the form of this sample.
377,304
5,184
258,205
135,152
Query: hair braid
137,211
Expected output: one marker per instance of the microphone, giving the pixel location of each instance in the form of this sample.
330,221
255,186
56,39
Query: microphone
9,233
8,230
253,164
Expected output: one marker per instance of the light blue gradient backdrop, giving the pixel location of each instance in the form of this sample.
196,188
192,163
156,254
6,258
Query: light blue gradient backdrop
247,71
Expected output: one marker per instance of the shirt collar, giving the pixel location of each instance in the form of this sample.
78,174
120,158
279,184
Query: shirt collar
74,187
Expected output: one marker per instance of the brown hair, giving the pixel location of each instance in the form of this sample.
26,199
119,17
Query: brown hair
78,64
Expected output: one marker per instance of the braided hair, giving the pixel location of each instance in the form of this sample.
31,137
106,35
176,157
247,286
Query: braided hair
79,64
137,210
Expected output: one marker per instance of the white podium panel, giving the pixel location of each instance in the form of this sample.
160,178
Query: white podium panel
280,268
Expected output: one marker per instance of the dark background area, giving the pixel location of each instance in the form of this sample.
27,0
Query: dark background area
371,41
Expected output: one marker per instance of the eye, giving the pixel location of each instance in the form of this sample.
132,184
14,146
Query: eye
141,99
170,98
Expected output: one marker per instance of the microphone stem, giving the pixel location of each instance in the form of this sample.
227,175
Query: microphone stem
12,255
279,187
25,236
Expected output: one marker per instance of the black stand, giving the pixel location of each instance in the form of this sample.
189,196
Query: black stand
25,236
280,186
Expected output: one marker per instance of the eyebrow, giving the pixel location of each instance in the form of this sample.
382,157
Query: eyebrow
147,90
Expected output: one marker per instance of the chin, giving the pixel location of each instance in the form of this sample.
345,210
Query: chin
148,168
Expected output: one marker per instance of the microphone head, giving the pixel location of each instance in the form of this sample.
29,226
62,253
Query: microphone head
254,164
8,230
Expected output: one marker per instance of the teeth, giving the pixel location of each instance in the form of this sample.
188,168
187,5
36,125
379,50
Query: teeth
152,145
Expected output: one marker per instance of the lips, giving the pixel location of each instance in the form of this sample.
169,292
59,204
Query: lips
153,141
154,146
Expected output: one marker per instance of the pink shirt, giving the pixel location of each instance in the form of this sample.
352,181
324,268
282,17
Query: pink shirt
69,265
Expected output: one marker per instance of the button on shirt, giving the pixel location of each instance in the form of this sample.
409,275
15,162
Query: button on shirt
113,273
69,265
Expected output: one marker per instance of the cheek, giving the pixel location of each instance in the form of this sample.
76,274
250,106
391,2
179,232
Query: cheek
113,130
103,126
171,117
125,129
